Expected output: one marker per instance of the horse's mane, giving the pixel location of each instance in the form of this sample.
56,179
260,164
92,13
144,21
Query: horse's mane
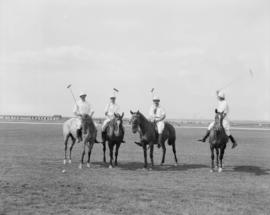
88,120
142,116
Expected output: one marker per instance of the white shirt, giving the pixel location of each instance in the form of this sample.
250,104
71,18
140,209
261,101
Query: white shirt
111,109
82,107
156,113
223,107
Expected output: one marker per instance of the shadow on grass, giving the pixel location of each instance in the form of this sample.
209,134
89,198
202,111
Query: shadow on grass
133,166
252,169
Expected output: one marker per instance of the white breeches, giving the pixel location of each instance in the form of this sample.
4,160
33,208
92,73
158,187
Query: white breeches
106,121
226,126
160,126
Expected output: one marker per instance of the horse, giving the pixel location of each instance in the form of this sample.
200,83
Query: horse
89,135
148,136
114,134
218,141
69,132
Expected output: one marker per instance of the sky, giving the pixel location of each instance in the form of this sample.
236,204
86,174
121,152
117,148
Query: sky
186,50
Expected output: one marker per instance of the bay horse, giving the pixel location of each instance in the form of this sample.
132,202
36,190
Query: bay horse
114,134
148,136
218,141
89,135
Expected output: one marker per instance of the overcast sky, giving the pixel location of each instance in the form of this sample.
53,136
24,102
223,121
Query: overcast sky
186,50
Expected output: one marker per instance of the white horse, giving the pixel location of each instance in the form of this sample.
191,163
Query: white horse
70,131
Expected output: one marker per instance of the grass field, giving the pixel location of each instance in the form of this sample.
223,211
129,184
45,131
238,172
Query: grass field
32,182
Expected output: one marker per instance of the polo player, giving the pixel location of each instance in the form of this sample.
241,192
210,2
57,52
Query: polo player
157,115
222,106
81,107
110,109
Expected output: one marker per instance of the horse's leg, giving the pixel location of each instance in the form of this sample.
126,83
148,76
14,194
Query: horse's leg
163,153
90,147
217,158
111,153
116,153
151,154
104,152
71,147
65,143
83,153
222,150
145,155
174,152
212,159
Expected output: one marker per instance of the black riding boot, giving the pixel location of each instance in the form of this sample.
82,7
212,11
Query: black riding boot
159,140
79,135
205,137
103,136
234,144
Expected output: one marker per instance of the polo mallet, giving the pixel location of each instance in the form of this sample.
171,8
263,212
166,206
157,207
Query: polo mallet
69,87
152,92
241,77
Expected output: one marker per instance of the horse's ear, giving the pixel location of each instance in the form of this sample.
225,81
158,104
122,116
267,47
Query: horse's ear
114,114
216,111
138,111
131,112
122,115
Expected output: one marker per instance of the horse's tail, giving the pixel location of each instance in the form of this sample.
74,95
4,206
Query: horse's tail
172,133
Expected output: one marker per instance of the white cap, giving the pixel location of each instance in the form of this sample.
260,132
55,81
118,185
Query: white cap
156,98
221,94
82,93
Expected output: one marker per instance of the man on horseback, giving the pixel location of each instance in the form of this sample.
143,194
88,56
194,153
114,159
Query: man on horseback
221,107
81,107
111,109
157,115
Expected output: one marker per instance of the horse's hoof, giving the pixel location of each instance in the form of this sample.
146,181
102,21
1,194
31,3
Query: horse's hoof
219,169
69,161
88,165
110,167
65,161
80,166
176,164
211,170
161,164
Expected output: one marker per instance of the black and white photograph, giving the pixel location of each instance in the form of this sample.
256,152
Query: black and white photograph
134,107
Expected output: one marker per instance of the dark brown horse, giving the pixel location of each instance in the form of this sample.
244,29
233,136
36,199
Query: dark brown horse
148,136
89,134
114,134
218,141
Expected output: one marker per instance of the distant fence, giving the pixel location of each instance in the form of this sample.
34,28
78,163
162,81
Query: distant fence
22,117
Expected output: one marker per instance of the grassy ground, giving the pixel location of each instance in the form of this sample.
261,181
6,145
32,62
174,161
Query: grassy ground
32,182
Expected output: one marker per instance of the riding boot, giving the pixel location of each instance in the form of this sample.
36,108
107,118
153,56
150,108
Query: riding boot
79,135
205,136
159,140
103,135
234,144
